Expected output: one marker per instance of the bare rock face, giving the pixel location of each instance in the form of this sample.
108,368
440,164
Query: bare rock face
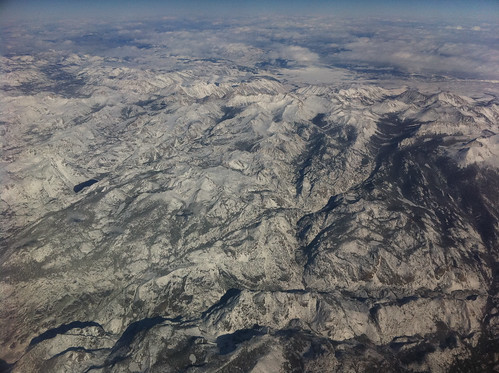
155,223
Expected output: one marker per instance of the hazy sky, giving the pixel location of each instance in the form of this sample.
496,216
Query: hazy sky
484,9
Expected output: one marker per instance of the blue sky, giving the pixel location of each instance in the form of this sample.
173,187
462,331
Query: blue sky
128,8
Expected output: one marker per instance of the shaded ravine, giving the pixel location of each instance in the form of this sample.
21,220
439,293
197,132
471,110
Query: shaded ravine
52,333
418,173
383,145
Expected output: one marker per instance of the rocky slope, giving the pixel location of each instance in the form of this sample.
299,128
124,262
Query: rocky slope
169,221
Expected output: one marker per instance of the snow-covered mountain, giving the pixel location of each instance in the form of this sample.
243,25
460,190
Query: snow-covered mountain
220,219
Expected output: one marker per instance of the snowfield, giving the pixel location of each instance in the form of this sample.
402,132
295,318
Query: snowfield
242,220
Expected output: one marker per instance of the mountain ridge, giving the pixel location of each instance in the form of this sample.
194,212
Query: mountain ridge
326,227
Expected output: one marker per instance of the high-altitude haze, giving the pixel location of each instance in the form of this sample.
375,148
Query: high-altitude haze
93,8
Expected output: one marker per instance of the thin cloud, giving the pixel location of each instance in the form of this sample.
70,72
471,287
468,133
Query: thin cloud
456,50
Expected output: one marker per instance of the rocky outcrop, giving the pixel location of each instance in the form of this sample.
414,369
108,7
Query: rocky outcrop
248,226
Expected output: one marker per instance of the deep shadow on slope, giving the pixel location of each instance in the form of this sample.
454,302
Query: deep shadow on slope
421,182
